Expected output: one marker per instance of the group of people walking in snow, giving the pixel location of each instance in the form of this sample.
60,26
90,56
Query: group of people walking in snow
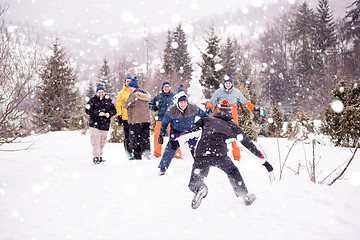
186,124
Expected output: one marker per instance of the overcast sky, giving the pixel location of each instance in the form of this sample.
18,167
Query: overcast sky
105,16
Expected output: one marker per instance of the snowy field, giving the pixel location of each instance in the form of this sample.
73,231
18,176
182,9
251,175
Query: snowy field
54,191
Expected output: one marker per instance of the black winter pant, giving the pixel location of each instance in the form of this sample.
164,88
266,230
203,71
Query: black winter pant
127,137
201,167
139,136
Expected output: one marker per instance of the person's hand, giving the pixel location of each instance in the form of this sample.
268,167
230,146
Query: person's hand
208,110
161,139
268,166
120,120
155,108
102,114
174,144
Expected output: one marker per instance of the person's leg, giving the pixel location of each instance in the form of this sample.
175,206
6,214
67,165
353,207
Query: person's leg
103,140
157,146
199,171
95,141
137,140
145,140
168,155
133,136
126,138
234,176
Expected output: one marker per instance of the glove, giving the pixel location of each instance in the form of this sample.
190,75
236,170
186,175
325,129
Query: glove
161,139
174,145
208,110
155,108
260,110
120,120
268,166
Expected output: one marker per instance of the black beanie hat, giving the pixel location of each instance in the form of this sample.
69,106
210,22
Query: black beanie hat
225,106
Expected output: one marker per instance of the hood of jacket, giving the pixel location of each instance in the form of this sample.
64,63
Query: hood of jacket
142,95
224,115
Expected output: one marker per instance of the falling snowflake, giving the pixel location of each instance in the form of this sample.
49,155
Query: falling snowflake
337,106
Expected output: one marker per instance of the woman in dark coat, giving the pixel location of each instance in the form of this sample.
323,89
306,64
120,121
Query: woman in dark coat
100,109
212,150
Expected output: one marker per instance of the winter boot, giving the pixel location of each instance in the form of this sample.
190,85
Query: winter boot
102,160
249,199
96,160
203,191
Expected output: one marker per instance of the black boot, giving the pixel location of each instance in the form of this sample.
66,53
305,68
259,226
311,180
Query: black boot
203,191
96,160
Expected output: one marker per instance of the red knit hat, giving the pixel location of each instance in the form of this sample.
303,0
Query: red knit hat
225,106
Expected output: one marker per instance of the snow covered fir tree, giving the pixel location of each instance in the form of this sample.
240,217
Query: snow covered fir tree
176,58
57,96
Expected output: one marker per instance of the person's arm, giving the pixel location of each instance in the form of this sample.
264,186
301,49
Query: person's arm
212,101
193,132
90,109
242,99
249,145
128,101
119,102
164,123
152,104
112,110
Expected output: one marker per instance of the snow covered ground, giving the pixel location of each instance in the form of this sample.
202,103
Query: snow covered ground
54,191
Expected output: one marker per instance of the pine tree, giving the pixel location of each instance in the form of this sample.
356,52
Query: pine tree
343,125
275,126
352,26
228,56
104,77
353,19
180,55
168,64
302,32
212,64
246,117
57,95
303,126
325,27
90,91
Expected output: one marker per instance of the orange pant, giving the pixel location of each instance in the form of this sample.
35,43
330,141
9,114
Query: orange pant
157,145
235,151
235,147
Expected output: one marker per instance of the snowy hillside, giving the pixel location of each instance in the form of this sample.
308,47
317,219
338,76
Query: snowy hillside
54,191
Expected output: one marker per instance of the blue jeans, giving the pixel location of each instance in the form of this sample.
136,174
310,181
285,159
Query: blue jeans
167,157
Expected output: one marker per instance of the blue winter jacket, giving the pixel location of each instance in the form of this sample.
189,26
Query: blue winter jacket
162,101
179,120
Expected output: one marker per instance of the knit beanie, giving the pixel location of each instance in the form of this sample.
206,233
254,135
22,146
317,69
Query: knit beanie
183,98
181,88
225,106
127,77
100,87
134,83
166,82
228,78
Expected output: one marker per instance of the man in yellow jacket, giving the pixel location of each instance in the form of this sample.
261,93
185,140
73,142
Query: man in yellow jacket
122,112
